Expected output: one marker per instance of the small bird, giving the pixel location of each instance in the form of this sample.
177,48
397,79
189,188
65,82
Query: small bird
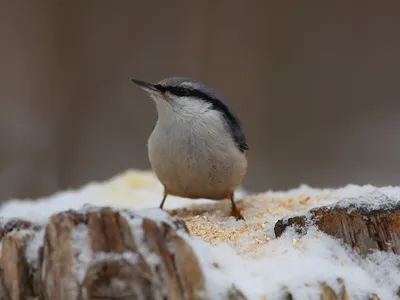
197,146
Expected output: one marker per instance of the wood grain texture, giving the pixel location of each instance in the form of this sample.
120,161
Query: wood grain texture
15,272
363,229
101,254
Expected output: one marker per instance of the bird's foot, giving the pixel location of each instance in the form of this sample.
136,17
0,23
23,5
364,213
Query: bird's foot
235,212
173,212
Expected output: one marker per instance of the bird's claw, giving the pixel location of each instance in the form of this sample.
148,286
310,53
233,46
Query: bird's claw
236,213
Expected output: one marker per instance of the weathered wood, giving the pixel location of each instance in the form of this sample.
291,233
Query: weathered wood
362,228
343,291
57,277
235,294
15,272
119,270
328,293
15,225
15,280
374,297
186,266
101,254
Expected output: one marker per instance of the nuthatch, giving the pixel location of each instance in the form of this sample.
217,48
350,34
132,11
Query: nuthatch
197,147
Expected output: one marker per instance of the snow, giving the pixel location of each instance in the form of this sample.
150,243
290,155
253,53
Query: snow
82,252
33,247
133,189
299,265
245,255
155,214
371,201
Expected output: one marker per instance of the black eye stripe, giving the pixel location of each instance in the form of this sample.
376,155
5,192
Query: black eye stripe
188,92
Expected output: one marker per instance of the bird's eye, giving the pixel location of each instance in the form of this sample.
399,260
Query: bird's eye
184,92
179,91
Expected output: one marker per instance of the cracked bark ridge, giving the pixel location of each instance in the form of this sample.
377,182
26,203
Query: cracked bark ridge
101,253
15,225
235,294
364,228
15,272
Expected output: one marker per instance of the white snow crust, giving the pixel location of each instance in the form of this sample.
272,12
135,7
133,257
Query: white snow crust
249,256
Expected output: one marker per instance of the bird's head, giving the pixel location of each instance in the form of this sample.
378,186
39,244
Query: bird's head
188,99
181,95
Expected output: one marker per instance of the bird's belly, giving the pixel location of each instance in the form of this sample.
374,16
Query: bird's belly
190,169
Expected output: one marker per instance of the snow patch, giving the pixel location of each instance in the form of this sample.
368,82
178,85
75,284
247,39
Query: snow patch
298,264
291,262
375,200
83,253
33,247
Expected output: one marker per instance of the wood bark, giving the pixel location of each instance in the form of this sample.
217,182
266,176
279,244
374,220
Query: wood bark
362,228
100,254
15,272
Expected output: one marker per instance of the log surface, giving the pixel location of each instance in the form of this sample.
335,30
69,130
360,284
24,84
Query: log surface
363,228
100,254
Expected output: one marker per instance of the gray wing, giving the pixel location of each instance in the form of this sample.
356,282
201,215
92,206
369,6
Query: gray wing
236,130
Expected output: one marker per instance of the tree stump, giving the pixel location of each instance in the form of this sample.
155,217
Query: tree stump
363,226
99,253
103,253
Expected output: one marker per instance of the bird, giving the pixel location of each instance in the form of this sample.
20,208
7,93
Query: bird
197,148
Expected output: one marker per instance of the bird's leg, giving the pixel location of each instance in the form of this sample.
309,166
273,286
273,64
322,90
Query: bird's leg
164,197
235,212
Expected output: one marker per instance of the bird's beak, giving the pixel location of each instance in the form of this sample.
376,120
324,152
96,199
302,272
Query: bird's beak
148,87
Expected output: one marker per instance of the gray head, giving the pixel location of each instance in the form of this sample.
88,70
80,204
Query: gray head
182,97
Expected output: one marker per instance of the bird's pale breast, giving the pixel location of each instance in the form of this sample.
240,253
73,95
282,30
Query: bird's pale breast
196,163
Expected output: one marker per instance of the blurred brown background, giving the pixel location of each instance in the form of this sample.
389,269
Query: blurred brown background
316,87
